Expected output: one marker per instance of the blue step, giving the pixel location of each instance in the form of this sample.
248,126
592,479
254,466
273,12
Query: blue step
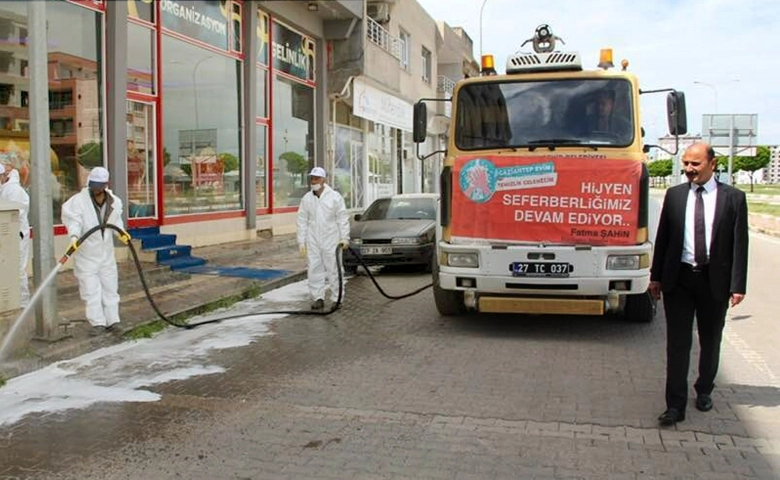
170,251
164,249
143,232
156,241
178,263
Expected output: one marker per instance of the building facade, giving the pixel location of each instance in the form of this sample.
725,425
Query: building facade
772,171
210,113
377,74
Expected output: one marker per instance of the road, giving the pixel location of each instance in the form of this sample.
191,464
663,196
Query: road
389,390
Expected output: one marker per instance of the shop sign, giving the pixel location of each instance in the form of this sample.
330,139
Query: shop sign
202,20
380,107
293,53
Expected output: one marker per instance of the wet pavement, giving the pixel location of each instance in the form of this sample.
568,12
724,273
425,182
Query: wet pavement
178,295
390,390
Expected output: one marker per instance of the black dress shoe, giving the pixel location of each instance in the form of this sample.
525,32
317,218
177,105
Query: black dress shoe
318,304
671,416
704,402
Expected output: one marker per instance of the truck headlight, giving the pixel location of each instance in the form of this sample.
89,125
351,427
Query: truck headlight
470,260
628,262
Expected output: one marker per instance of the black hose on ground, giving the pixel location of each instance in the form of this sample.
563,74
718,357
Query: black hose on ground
125,238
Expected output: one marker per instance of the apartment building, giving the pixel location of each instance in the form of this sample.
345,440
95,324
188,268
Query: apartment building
378,73
772,171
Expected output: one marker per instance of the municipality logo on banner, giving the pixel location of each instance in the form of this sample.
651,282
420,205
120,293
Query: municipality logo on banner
480,179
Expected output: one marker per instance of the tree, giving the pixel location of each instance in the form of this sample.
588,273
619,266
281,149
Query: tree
751,164
660,169
296,163
90,155
229,161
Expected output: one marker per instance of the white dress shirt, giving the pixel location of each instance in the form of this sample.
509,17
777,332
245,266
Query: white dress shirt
709,195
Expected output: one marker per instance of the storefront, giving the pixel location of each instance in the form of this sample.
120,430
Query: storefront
219,120
76,96
389,163
206,167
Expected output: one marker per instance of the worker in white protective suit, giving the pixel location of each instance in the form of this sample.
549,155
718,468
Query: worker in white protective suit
13,191
94,263
323,224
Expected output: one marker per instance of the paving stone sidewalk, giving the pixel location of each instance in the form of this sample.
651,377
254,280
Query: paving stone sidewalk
176,294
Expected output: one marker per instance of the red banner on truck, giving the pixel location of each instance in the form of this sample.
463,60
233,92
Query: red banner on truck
568,200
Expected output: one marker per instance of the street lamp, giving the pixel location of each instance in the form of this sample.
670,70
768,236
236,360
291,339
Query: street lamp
714,90
195,88
480,28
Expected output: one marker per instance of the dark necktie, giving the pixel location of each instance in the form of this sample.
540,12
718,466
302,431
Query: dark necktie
699,237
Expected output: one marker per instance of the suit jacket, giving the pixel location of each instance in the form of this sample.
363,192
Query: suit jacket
728,246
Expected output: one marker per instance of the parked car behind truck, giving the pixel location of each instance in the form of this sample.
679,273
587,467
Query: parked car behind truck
397,230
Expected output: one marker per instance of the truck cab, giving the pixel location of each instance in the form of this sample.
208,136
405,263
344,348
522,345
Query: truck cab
544,188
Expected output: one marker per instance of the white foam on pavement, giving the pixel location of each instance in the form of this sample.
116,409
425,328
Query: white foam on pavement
121,373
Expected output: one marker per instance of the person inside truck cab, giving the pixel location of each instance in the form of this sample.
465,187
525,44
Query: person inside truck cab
602,117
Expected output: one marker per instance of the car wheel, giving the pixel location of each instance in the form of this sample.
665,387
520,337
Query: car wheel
428,267
448,302
350,269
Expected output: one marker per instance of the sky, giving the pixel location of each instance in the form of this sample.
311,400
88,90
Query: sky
730,46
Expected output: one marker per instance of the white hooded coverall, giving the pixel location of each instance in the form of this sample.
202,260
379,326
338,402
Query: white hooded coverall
94,262
323,222
14,192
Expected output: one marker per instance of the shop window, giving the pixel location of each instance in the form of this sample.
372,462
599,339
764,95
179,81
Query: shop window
262,93
293,127
201,136
140,59
261,177
74,42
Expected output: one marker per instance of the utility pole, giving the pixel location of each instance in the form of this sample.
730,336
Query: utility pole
40,181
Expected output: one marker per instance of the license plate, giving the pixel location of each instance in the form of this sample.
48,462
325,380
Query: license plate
541,269
376,250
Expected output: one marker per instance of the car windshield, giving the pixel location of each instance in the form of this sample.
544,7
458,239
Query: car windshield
401,209
549,113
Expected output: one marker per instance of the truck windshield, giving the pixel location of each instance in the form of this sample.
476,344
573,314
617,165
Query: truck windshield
534,114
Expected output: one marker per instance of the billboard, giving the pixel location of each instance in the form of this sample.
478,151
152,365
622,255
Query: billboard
564,200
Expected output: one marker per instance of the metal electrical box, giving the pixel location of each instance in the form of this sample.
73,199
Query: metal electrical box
9,256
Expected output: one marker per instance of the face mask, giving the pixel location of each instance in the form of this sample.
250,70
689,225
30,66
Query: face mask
96,187
316,187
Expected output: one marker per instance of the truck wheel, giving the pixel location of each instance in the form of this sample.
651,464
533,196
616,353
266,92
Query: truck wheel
640,308
448,302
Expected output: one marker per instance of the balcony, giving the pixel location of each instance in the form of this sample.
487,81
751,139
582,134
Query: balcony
445,85
381,37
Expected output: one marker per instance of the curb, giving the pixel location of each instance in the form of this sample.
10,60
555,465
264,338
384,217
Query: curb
43,354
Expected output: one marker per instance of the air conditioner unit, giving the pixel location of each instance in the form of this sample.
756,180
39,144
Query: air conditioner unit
379,12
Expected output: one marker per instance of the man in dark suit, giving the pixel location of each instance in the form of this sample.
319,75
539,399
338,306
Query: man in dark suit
700,265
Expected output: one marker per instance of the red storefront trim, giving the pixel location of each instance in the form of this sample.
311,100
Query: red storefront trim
203,217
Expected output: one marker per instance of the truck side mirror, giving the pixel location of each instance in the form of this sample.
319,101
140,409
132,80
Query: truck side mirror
420,122
675,113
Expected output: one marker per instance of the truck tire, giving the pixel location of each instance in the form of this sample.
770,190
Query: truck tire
448,302
640,308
